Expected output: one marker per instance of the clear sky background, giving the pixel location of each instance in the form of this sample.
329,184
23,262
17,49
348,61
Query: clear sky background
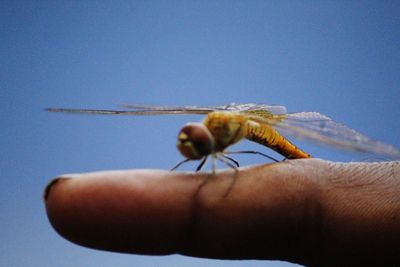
340,58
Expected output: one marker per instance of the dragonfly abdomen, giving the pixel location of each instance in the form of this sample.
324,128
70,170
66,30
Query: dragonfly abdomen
266,135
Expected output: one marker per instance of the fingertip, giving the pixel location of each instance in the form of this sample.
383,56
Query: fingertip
142,211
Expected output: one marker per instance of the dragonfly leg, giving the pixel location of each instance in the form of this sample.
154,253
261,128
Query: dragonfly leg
252,152
226,159
179,164
231,159
201,164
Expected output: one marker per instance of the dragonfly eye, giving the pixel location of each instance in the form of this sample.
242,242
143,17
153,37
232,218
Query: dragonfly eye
195,141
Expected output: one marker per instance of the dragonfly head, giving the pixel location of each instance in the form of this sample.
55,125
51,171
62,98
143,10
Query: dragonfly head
195,141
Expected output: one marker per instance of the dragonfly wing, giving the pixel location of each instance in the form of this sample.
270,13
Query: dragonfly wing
202,109
143,110
243,108
266,110
256,108
317,127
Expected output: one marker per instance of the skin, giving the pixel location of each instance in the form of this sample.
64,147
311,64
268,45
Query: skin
306,211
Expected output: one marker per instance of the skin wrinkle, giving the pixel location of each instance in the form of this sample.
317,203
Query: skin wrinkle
192,223
370,178
232,183
200,205
348,201
356,175
192,218
395,175
395,169
311,223
247,209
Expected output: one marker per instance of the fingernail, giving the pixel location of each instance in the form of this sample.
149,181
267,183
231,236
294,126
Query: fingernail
48,188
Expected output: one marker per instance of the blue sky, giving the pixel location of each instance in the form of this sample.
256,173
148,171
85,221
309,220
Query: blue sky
340,58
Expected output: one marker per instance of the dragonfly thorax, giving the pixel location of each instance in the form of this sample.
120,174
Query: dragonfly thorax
195,141
227,128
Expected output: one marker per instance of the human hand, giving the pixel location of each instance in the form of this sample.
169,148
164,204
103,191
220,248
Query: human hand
307,211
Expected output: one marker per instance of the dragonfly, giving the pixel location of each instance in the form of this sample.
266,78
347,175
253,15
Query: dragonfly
267,125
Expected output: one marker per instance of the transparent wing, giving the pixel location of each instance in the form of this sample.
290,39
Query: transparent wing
164,110
183,109
320,128
233,107
304,125
150,110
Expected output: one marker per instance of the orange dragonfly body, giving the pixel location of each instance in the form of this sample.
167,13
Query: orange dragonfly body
227,125
228,128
